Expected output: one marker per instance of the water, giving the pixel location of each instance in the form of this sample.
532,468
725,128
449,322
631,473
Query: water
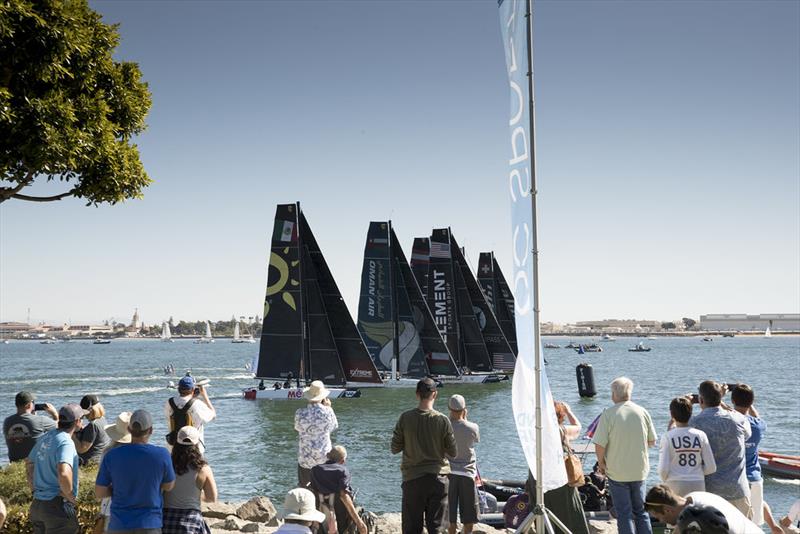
252,445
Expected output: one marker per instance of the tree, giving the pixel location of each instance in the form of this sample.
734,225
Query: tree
688,322
668,326
68,111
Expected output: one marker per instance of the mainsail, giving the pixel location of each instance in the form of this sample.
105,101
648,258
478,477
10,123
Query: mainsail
420,258
307,329
393,318
451,304
499,295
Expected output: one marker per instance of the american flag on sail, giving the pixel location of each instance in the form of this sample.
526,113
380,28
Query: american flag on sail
440,250
503,361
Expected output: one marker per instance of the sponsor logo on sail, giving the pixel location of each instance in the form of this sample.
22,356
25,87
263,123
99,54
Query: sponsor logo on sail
360,373
371,279
440,303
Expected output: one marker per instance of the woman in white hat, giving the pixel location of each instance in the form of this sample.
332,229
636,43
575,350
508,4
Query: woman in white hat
194,481
300,513
314,423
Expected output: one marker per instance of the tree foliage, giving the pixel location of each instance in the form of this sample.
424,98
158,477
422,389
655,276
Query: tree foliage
668,326
688,322
68,111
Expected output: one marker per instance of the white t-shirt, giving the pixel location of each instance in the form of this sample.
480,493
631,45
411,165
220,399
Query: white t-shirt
200,412
685,455
737,522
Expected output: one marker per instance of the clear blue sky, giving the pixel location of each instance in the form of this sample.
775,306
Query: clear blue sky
667,140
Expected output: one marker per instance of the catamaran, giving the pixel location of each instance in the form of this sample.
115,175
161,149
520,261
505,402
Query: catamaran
207,338
238,338
308,333
166,335
393,318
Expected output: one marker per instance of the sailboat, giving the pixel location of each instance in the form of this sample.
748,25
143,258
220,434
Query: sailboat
394,320
461,313
308,332
166,335
498,295
207,338
238,338
768,331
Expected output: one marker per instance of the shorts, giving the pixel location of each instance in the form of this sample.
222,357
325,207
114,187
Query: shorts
757,501
463,495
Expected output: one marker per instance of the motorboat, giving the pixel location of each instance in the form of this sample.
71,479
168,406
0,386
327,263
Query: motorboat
591,347
639,348
779,465
48,341
551,346
607,337
572,345
707,338
101,341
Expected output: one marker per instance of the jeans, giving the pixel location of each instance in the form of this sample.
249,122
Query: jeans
628,498
48,517
425,504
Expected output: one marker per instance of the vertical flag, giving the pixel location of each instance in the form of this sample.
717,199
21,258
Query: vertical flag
519,181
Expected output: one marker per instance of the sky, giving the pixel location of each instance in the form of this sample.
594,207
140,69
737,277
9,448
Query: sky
667,138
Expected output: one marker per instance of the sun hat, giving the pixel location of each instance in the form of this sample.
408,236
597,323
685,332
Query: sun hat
188,435
69,413
187,382
118,431
316,391
457,403
140,420
23,398
300,505
88,401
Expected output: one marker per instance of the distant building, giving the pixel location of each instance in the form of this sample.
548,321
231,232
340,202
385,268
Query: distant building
14,328
617,325
136,323
744,322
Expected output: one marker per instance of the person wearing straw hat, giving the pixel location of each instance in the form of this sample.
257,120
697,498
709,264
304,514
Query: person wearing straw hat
300,513
314,423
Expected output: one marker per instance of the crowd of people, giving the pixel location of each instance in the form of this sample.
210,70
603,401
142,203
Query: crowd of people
708,464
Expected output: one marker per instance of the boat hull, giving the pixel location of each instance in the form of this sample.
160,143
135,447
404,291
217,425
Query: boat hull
780,465
296,393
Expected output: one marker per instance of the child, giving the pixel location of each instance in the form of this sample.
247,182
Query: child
686,455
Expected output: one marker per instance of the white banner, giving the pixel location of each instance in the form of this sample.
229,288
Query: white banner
514,32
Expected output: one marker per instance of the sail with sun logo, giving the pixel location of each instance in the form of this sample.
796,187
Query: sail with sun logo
307,332
498,295
393,318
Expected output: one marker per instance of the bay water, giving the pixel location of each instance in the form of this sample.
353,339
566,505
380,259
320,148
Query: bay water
252,446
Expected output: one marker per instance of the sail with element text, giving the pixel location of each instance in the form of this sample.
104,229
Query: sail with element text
393,318
307,329
498,294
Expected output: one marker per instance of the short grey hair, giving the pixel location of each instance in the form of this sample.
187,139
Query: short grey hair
621,388
337,454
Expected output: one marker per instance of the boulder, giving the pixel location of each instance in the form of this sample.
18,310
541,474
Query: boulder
259,509
233,523
251,527
597,526
219,510
390,523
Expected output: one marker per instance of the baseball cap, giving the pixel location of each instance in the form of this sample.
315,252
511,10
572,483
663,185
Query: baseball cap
23,398
188,435
88,401
141,420
69,413
457,403
187,382
426,385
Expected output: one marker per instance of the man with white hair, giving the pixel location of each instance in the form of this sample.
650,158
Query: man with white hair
623,434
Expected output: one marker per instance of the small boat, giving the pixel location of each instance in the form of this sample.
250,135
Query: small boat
607,337
48,341
238,338
101,341
166,335
592,347
779,465
551,346
727,334
707,338
208,338
651,337
639,348
6,342
572,345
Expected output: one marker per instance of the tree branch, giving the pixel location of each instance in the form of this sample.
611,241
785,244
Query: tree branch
8,192
43,199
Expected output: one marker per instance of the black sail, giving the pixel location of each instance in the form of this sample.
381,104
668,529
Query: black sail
420,258
431,355
498,294
281,347
353,355
376,306
502,357
441,294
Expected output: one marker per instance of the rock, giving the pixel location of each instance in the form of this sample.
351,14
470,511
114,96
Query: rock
602,527
274,522
483,528
258,509
219,510
390,523
233,523
251,527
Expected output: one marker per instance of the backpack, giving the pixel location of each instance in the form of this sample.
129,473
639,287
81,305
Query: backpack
515,511
180,418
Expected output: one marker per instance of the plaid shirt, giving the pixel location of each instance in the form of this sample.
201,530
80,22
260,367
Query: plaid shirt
179,521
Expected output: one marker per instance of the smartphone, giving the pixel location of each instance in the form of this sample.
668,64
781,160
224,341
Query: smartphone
39,407
731,387
695,398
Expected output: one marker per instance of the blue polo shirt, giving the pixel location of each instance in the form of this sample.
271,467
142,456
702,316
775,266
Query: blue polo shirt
135,473
757,427
54,448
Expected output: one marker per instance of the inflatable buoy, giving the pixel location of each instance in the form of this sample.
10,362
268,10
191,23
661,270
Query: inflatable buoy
585,375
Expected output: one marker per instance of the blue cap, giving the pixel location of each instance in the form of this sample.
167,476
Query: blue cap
187,382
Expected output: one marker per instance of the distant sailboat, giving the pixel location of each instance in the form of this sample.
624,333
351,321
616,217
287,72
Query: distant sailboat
208,338
308,332
166,335
768,331
238,338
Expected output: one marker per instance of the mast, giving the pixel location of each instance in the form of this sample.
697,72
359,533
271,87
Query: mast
537,335
304,354
395,306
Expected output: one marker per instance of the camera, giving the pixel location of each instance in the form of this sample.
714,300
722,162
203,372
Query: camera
731,387
695,398
38,407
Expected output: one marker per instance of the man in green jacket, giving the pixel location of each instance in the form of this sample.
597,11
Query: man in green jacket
425,437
